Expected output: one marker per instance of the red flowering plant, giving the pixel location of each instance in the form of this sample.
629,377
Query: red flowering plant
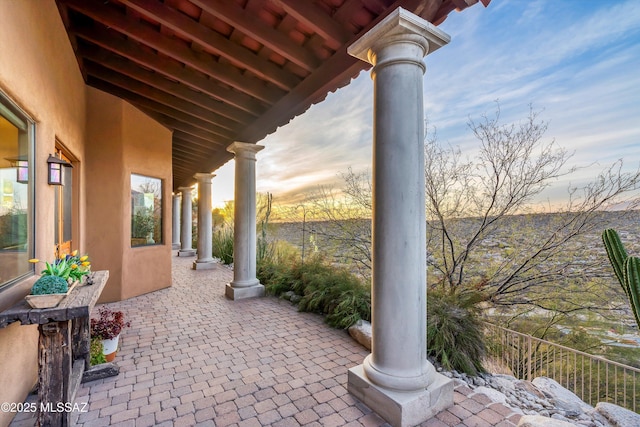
108,325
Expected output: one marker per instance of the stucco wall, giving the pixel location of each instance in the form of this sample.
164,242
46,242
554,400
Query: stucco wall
121,141
147,152
18,348
105,154
39,72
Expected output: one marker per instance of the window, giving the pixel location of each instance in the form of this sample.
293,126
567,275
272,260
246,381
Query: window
146,210
16,193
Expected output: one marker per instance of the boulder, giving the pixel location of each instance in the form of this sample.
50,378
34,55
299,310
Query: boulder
561,397
528,387
617,415
505,383
361,332
492,394
287,295
540,421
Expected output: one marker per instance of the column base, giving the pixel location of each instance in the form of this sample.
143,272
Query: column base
402,409
187,252
242,293
175,246
204,265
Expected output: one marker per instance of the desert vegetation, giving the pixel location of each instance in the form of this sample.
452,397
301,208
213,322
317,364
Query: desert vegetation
492,252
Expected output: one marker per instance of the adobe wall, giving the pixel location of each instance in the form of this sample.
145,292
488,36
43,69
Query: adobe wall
147,152
39,72
106,177
121,141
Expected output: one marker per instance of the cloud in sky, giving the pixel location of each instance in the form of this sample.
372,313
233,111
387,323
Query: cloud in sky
575,61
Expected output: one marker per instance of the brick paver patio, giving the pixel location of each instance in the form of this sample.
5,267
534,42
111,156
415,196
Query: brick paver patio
192,357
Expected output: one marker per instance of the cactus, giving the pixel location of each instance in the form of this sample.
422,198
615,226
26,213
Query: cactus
626,269
632,280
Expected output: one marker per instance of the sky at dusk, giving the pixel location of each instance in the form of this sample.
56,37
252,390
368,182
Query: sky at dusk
575,61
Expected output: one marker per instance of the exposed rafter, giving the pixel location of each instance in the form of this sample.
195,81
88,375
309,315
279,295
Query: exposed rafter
235,16
219,71
235,54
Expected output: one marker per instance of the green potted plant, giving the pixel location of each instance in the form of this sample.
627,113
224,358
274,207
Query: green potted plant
58,279
107,327
96,352
70,267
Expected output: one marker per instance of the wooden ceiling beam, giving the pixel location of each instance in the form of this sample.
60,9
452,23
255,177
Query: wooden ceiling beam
161,101
169,68
206,164
316,19
186,159
197,144
347,10
186,169
234,15
131,27
192,138
171,123
314,88
178,116
187,148
238,55
190,152
377,6
158,81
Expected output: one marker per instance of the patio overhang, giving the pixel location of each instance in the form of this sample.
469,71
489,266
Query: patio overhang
219,71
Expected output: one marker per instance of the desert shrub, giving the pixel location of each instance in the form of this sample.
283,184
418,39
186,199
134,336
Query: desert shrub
50,285
275,265
454,331
222,245
324,289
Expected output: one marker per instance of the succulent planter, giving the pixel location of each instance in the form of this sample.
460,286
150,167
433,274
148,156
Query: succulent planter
48,300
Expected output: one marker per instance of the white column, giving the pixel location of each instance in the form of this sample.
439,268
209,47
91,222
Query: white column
205,259
186,236
396,380
175,224
244,284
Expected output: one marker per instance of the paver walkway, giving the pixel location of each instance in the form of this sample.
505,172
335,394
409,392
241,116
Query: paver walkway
192,357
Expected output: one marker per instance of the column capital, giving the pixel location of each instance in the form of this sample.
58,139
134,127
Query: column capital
399,26
185,189
244,149
204,177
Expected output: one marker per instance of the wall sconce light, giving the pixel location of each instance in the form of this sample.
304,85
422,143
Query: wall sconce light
56,167
22,168
23,171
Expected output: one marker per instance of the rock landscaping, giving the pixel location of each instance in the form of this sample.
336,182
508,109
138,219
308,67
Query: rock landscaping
543,402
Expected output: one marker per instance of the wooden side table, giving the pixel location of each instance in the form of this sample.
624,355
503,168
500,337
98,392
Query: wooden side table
63,347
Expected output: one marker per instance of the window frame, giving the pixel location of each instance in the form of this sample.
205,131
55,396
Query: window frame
10,111
161,212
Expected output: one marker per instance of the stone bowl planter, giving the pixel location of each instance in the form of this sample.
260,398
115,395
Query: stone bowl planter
48,300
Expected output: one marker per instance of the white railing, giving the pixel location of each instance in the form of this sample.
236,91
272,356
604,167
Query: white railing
592,378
